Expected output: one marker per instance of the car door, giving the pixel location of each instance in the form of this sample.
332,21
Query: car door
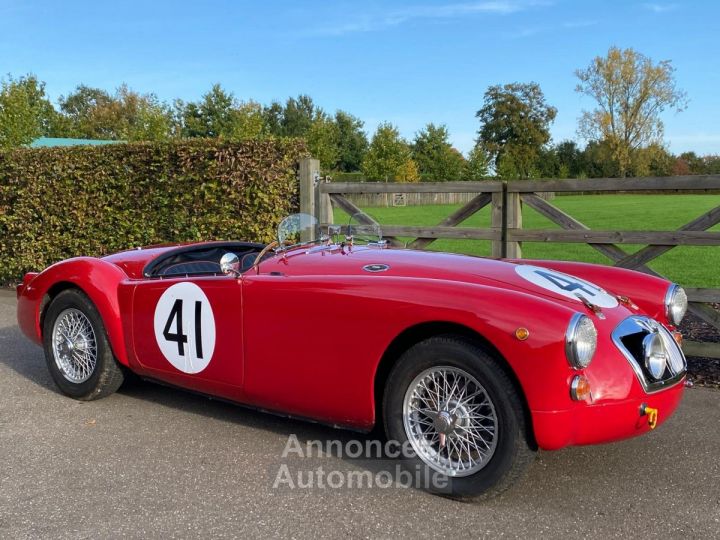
188,331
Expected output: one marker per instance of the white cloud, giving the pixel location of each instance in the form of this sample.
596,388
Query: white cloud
375,22
660,8
579,24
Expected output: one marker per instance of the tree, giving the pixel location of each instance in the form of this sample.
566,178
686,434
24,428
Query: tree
711,164
477,165
387,153
631,92
322,139
211,117
141,117
693,164
25,112
273,117
435,156
298,116
408,172
247,122
78,108
563,160
514,125
352,141
652,160
92,113
598,160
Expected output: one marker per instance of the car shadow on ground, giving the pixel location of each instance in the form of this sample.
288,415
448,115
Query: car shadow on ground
28,361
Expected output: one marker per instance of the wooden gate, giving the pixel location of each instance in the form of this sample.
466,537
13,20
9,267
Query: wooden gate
507,235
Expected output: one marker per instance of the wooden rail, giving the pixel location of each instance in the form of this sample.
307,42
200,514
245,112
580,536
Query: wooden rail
506,233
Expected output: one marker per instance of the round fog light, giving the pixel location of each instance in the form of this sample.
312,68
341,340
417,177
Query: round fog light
655,355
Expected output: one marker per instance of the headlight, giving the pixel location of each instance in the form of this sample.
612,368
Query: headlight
655,355
580,341
676,304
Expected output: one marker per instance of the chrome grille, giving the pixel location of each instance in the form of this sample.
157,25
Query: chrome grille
628,336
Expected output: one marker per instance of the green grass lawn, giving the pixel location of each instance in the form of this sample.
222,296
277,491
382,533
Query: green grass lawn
692,266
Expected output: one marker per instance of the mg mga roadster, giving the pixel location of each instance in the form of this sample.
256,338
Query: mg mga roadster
474,363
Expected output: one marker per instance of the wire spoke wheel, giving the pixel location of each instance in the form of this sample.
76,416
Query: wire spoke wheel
74,345
450,421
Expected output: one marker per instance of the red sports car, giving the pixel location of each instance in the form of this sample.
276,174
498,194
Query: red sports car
472,363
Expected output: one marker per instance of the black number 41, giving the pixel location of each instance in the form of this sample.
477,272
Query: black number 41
175,319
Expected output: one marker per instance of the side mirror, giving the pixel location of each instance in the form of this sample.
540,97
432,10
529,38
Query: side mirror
230,264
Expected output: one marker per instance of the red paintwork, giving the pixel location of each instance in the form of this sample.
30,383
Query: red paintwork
305,335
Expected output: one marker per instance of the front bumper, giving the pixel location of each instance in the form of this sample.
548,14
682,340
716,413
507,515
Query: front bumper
605,421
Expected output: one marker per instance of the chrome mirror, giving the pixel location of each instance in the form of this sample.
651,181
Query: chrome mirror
230,264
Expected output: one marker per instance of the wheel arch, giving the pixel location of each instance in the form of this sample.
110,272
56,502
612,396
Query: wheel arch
426,330
96,279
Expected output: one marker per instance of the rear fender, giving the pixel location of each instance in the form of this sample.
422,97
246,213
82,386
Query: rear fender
98,279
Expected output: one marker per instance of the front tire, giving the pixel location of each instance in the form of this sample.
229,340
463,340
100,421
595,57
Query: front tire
452,403
77,350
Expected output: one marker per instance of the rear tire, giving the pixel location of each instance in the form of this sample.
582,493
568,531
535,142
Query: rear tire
77,350
468,432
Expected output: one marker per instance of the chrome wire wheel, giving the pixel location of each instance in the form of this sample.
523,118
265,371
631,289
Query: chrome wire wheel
74,345
450,421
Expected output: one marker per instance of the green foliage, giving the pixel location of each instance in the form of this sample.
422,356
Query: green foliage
292,120
408,172
212,116
477,166
631,92
248,122
435,156
691,163
322,139
514,126
298,116
25,112
352,141
62,202
387,153
653,160
92,113
219,115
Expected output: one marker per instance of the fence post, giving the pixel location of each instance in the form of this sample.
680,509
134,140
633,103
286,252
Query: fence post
325,209
513,220
309,176
497,219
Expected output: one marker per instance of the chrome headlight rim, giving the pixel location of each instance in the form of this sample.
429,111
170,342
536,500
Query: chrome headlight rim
577,321
673,292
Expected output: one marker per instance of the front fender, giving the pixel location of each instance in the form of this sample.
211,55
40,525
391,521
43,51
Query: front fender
98,279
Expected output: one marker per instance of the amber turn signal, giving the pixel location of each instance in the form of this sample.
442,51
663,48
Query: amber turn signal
580,388
522,333
677,336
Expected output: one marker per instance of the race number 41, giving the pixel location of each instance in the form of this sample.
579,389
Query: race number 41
185,327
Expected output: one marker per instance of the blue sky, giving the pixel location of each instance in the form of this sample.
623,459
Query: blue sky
405,62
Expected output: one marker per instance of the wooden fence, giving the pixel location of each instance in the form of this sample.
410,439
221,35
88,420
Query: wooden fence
506,200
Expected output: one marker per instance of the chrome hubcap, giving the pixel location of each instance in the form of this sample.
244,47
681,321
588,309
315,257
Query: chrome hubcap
74,345
450,421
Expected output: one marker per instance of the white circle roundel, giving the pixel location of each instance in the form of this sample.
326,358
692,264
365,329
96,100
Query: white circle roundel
566,285
185,327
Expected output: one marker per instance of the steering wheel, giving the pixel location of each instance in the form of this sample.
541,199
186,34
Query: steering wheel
266,249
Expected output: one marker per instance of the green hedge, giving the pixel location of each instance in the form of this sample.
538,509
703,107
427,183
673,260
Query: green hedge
57,203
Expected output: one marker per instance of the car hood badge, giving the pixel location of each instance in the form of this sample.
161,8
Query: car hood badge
375,267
